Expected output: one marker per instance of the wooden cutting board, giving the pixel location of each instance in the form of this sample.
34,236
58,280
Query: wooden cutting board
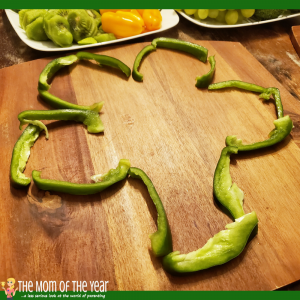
175,133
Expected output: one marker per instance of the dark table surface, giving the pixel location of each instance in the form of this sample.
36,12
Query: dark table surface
269,43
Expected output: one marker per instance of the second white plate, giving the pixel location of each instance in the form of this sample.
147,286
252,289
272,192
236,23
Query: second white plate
211,23
169,20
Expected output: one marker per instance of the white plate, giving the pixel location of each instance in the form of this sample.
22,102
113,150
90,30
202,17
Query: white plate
211,23
169,20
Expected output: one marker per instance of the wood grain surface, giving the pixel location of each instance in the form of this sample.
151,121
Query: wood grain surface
175,133
295,38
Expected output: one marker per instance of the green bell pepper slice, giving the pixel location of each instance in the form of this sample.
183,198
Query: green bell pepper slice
105,60
52,68
205,80
228,194
21,155
196,50
161,240
224,246
108,179
90,118
283,127
266,93
137,76
56,102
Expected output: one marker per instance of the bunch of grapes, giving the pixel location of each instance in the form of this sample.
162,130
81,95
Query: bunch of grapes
228,16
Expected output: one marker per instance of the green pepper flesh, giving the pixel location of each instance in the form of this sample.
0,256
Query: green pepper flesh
52,68
21,155
161,240
106,60
113,176
196,50
224,246
205,80
228,194
283,127
135,73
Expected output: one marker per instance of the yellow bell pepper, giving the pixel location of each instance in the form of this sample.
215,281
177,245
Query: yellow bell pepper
123,24
102,11
152,19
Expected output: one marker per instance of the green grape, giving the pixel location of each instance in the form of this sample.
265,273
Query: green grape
247,13
231,17
190,11
202,13
213,13
196,16
221,16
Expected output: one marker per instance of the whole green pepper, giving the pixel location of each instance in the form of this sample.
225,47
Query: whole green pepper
228,194
113,176
21,154
161,240
205,80
283,127
90,118
224,246
265,92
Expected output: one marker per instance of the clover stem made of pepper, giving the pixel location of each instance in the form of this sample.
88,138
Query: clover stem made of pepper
90,118
221,248
106,180
20,155
161,240
228,194
196,50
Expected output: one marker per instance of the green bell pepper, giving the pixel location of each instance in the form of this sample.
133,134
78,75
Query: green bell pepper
56,102
145,51
228,194
224,246
283,127
205,80
108,179
196,50
90,118
105,60
52,68
161,240
21,155
265,92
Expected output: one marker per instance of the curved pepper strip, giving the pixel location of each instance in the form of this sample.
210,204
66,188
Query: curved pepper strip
228,194
161,240
135,73
224,246
196,50
90,118
52,68
108,179
56,102
265,92
283,127
205,80
106,60
21,155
